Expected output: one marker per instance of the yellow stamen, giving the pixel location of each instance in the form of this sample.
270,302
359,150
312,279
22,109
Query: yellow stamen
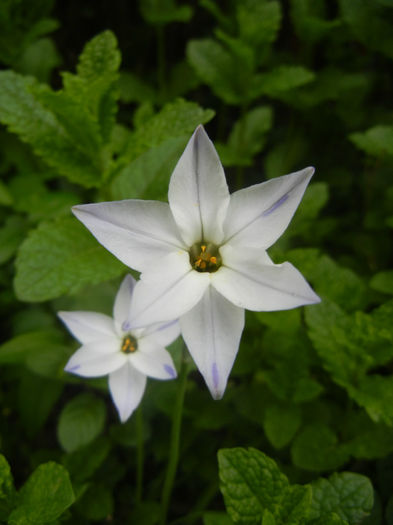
129,344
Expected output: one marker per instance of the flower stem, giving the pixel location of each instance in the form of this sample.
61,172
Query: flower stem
175,440
140,454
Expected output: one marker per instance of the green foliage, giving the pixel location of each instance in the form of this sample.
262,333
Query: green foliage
312,387
81,421
61,257
376,141
254,489
44,497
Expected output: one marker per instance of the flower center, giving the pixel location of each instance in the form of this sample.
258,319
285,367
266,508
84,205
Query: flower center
129,344
205,257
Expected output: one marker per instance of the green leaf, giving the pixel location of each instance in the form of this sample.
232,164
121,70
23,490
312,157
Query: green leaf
310,20
84,462
227,74
5,196
316,449
282,79
148,175
247,137
216,518
39,59
376,141
23,346
23,112
61,257
11,235
281,423
375,394
347,494
7,490
162,12
44,497
268,518
369,23
250,482
81,421
295,506
174,120
313,201
37,397
259,21
383,282
134,89
95,85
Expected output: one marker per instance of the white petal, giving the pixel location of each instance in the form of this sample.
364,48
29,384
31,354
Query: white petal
258,215
121,308
88,326
212,331
262,287
126,386
166,294
137,232
198,193
96,359
153,360
162,334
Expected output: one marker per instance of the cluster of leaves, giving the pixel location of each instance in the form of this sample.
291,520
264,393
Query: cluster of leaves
281,85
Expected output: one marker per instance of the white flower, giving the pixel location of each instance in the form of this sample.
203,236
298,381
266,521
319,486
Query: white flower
203,256
110,346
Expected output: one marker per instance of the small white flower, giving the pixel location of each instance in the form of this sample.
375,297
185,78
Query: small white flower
110,346
203,256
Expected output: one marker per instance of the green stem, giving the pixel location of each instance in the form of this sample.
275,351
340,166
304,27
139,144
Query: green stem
140,454
175,440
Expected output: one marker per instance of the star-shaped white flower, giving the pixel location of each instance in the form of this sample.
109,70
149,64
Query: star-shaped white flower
203,256
110,346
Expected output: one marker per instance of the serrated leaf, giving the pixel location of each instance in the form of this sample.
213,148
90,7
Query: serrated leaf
44,497
295,506
23,112
7,489
347,494
61,257
81,421
250,482
316,449
95,85
174,120
375,394
280,423
376,141
383,282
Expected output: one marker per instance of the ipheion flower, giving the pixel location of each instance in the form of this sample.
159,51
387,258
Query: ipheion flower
202,257
111,346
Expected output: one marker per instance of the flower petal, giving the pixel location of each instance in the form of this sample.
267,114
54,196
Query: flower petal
162,334
262,287
167,293
96,359
153,360
121,308
212,331
198,193
135,231
258,215
88,326
126,386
